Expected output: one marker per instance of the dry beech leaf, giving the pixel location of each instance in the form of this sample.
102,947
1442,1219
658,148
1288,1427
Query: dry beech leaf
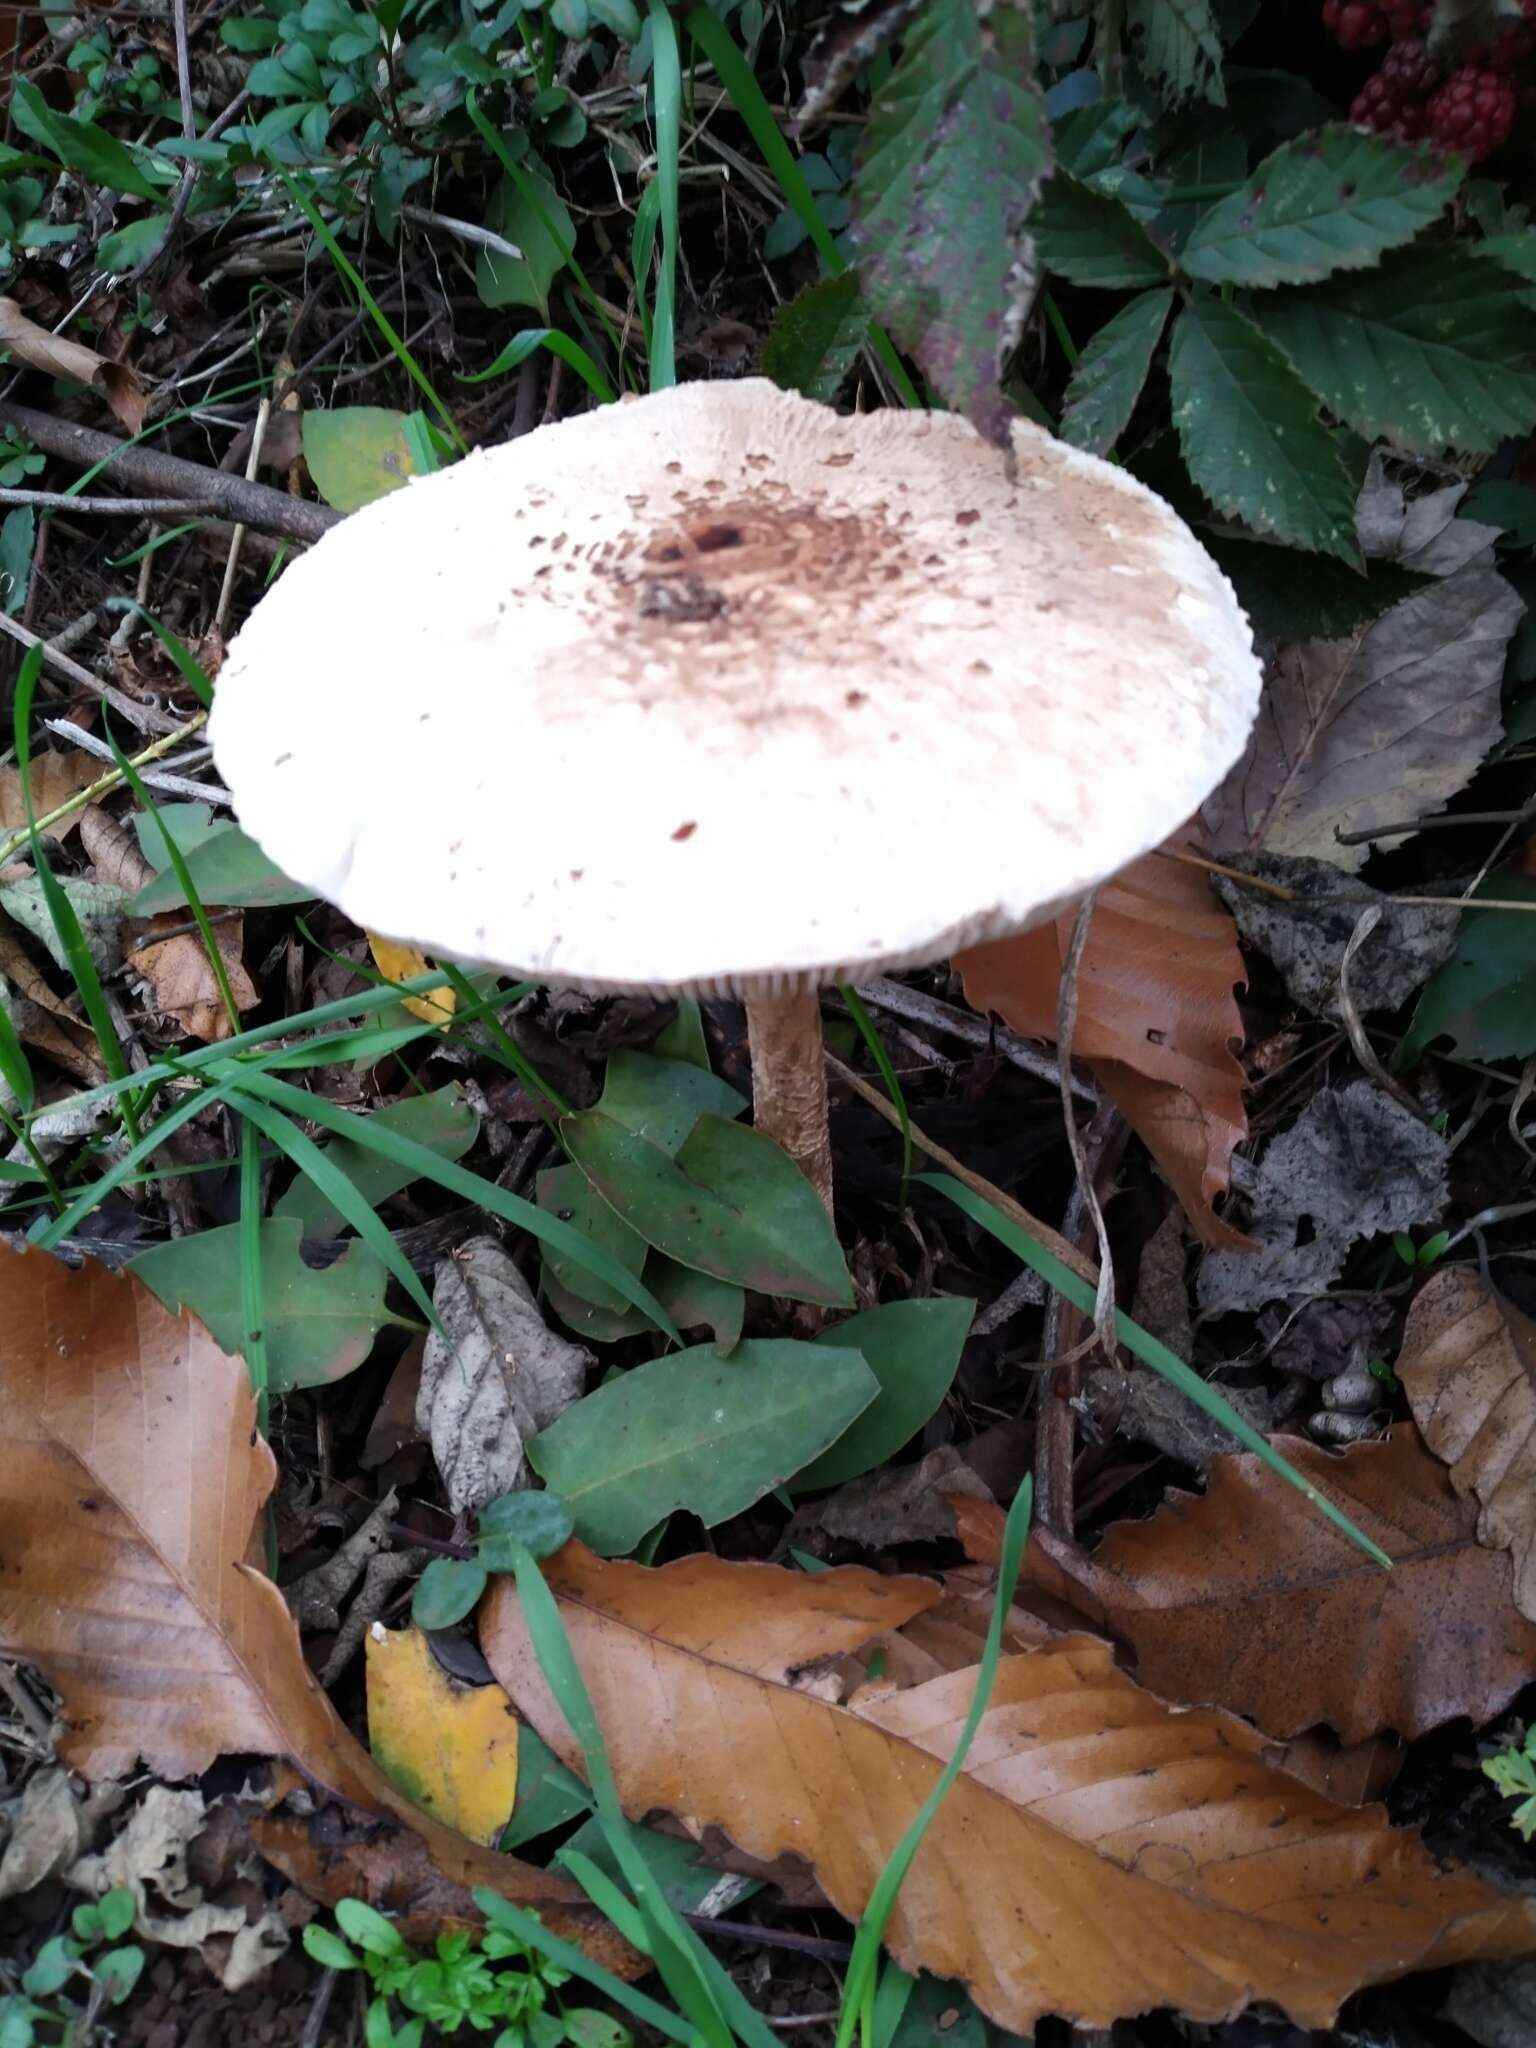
1102,1853
1468,1367
55,777
1156,1018
132,1480
450,1746
1239,1598
57,357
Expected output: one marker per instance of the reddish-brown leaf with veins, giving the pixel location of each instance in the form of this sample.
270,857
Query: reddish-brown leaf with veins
1468,1366
1156,1018
132,1480
1242,1598
1102,1853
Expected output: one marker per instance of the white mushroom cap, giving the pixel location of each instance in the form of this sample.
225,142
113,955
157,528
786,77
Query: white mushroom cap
717,689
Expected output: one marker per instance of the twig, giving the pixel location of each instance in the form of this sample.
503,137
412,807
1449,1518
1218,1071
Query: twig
191,169
900,1001
237,538
141,715
772,1937
1435,824
1037,1227
1066,1029
104,508
464,231
319,2005
1215,867
171,784
1354,1028
248,504
82,798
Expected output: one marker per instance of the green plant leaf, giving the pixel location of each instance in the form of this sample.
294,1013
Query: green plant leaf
913,1349
953,153
548,1795
1250,434
229,870
683,1038
697,1431
442,1121
318,1324
697,1300
1431,351
1110,374
662,1099
1329,602
83,147
1177,45
528,212
18,536
356,453
1337,199
1484,998
365,1925
732,1204
564,1192
328,1949
541,1521
1085,235
447,1590
816,337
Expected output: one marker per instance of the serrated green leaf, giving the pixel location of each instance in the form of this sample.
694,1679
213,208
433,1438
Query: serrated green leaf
1328,601
953,152
1089,139
443,1121
1250,434
913,1349
731,1204
1484,998
1431,351
1515,251
816,337
1334,200
1176,44
564,1191
1111,372
662,1099
356,453
318,1324
1087,236
697,1431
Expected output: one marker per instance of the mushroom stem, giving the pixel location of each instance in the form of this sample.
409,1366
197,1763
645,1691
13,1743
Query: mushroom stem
789,1081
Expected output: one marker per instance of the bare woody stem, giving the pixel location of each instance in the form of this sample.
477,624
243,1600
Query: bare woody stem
789,1081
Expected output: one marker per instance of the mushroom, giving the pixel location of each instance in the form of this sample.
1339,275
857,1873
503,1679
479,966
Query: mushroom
719,691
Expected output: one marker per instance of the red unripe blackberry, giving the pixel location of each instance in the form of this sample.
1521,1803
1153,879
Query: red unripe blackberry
1473,112
1410,73
1354,24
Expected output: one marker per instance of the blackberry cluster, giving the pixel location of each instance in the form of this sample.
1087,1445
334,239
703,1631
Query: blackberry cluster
1464,100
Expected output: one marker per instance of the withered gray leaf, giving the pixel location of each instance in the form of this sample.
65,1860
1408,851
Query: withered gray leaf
500,1377
1306,938
1354,1164
898,1504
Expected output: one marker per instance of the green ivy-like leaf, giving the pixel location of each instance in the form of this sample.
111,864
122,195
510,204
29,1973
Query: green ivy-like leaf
82,146
1087,236
1176,44
1334,200
1431,351
530,214
816,337
697,1431
227,868
953,154
1111,372
564,1192
1250,434
1484,998
662,1099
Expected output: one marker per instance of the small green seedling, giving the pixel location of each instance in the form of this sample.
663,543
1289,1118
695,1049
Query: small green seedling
1513,1770
41,2014
456,1986
451,1586
1424,1254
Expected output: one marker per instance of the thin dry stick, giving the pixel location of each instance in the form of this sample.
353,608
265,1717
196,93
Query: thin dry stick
1360,1045
142,715
1037,1227
1468,902
1215,867
106,508
237,538
1066,1029
100,787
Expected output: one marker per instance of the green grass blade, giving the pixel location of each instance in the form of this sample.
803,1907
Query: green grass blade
15,1067
50,1232
1147,1348
863,1968
426,1165
530,1930
746,95
667,83
252,1308
340,1192
893,1087
506,1045
522,346
82,967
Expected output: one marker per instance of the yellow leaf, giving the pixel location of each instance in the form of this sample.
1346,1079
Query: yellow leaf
399,962
450,1747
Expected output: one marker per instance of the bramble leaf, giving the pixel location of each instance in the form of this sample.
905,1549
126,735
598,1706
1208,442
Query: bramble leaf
1110,373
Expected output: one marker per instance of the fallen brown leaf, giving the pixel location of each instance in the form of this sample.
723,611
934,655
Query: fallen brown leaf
1242,1598
41,1019
132,1481
1156,1018
1100,1855
1468,1366
54,778
57,357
